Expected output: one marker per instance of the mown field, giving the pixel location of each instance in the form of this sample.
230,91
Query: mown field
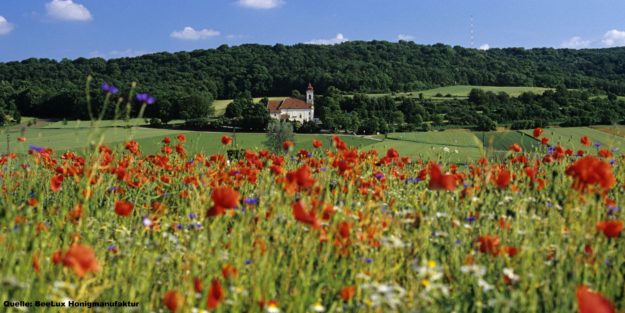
454,145
462,91
569,137
331,230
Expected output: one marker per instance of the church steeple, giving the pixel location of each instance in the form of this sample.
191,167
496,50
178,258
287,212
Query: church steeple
310,94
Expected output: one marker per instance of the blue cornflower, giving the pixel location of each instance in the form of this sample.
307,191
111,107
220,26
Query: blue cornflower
248,262
413,180
35,148
471,219
145,98
192,216
597,145
379,176
251,200
111,248
106,87
612,162
615,149
323,168
368,260
551,149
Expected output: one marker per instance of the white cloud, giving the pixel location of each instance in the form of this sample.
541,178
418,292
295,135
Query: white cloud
5,26
68,10
333,41
614,38
484,47
261,4
405,37
189,33
576,42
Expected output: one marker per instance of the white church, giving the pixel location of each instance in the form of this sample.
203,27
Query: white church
294,109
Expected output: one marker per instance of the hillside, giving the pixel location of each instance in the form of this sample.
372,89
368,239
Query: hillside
370,67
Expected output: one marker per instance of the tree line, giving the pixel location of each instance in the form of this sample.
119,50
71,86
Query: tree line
45,87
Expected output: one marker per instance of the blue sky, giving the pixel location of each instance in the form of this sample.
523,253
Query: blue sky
114,28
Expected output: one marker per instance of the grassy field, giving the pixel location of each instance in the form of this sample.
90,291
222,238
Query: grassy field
103,123
502,140
462,91
569,137
150,139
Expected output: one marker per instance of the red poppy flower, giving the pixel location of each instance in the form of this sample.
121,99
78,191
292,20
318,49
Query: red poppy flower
605,153
503,178
223,198
173,300
287,144
56,182
610,229
537,132
440,181
317,143
488,244
348,292
511,251
166,140
226,140
197,285
36,265
215,295
80,258
592,302
585,141
181,138
21,139
544,141
515,148
589,171
302,177
302,216
123,208
229,271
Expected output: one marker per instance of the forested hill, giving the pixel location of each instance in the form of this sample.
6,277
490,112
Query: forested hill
375,66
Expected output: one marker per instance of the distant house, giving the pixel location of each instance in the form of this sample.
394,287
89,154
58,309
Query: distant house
294,109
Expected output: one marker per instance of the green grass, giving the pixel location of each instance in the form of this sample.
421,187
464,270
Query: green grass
569,137
66,139
453,145
462,91
150,139
103,123
503,140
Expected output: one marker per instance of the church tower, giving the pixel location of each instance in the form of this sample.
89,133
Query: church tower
310,95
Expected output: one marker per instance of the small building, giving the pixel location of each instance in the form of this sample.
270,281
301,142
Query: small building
294,109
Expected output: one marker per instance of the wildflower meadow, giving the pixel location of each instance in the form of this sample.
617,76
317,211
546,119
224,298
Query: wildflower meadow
327,228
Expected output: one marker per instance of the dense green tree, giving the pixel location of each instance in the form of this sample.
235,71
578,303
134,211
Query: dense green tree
196,106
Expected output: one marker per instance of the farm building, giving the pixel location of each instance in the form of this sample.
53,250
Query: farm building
294,109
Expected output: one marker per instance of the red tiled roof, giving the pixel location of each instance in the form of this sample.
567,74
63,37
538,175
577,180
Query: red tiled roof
275,106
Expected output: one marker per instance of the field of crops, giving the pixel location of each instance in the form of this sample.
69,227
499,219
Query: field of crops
327,229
